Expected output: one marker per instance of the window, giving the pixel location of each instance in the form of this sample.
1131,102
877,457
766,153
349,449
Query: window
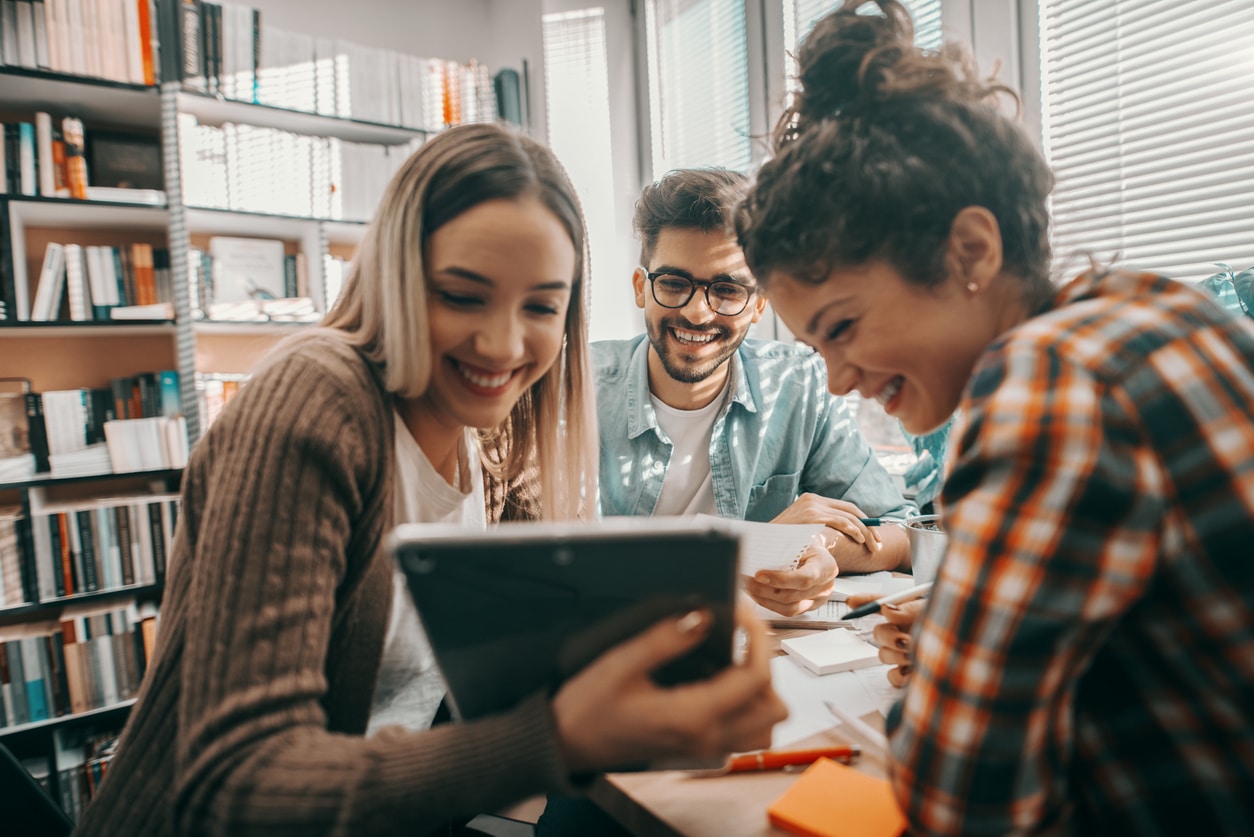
698,84
577,91
800,16
1147,124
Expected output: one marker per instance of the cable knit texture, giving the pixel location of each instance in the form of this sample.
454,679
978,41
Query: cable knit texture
251,716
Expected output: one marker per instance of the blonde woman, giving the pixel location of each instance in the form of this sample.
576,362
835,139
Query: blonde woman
291,686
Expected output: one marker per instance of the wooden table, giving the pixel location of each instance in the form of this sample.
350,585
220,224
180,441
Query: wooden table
676,804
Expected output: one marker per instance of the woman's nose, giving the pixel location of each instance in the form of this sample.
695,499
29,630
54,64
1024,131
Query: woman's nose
841,377
500,339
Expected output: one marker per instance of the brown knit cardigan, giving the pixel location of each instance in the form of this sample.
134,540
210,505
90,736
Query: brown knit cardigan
251,716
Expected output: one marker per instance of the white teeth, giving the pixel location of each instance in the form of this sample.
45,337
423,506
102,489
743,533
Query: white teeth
886,394
485,381
693,336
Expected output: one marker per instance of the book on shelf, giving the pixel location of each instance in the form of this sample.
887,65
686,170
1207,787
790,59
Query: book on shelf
17,582
51,284
14,428
229,50
91,657
125,161
119,194
75,157
246,269
115,40
97,280
97,544
67,428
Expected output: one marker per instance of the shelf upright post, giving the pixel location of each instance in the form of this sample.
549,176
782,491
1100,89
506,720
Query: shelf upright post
179,244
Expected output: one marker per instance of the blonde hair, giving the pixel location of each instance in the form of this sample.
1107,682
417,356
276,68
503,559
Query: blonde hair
383,307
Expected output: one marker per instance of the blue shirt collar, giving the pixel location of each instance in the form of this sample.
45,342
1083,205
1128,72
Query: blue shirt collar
641,417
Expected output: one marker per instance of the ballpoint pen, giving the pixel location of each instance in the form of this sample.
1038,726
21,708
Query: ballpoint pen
880,521
903,596
782,759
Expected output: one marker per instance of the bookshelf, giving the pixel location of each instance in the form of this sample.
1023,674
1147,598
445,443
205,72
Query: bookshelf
299,166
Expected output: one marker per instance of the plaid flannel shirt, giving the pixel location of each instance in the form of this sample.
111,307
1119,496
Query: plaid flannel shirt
1086,661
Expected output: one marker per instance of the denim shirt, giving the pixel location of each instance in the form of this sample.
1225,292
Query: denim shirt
780,434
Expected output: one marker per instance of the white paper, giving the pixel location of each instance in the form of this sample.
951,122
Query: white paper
832,652
769,546
803,693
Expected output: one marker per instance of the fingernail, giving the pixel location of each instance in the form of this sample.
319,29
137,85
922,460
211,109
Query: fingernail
890,606
690,621
905,670
902,642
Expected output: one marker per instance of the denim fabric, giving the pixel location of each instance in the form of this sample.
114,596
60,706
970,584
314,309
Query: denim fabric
780,434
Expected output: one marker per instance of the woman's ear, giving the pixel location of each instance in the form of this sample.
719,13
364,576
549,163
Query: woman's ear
974,255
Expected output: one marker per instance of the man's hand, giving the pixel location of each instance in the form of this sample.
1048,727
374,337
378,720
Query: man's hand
857,548
839,515
791,592
893,635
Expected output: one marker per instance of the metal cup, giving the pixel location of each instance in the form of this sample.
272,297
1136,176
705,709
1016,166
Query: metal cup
927,546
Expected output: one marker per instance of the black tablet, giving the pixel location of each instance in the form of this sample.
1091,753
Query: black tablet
523,606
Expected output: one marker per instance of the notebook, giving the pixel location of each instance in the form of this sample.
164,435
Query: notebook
524,606
831,651
833,800
768,546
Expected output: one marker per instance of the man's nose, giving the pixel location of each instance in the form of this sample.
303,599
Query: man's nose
697,310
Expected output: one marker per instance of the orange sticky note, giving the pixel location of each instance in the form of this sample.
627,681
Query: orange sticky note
832,800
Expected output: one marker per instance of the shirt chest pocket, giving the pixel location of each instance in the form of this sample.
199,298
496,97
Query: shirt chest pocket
772,496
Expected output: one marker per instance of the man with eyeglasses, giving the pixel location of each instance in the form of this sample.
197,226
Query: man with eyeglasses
695,418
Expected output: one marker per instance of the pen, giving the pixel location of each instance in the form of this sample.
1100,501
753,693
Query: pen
779,759
879,521
903,596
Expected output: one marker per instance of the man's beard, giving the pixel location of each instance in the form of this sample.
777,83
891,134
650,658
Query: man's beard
670,352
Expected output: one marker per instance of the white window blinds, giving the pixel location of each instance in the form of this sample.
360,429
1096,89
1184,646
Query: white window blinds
576,81
698,84
800,16
1148,124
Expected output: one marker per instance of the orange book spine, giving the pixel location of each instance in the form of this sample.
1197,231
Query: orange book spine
60,176
145,280
67,556
145,40
75,162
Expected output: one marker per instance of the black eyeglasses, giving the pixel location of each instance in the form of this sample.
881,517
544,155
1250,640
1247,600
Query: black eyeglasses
672,290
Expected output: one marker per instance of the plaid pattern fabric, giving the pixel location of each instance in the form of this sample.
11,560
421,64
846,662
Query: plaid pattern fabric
1086,663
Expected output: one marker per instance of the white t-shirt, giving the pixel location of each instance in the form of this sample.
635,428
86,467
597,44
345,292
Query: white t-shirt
410,687
688,487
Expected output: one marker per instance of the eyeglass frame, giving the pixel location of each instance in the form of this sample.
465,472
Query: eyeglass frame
708,283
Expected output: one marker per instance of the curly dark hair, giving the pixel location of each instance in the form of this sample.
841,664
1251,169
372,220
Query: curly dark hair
692,199
881,149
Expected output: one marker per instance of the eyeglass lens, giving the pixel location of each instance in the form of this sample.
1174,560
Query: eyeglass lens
727,298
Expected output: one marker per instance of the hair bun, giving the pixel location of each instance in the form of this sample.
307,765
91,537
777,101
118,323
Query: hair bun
850,58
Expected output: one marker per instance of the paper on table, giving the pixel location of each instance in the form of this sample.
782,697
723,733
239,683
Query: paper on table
877,584
803,693
769,546
830,614
832,652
